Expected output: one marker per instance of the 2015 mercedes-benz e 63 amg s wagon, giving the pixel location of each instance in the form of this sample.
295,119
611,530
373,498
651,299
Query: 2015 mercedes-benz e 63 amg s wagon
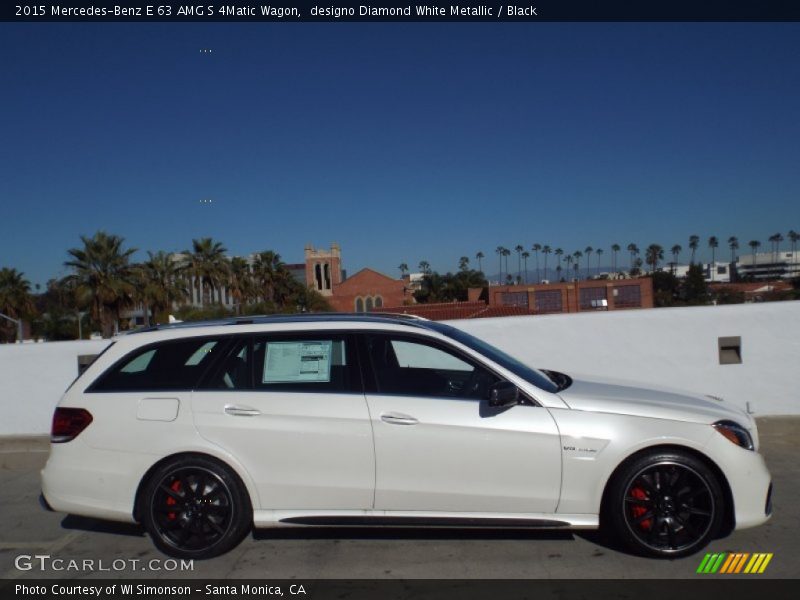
200,432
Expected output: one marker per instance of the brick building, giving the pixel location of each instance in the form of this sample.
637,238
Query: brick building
361,292
367,290
577,296
324,268
511,300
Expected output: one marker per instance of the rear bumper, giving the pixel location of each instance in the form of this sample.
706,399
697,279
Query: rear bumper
105,491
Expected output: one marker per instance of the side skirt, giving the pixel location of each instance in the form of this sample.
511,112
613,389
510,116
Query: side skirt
366,518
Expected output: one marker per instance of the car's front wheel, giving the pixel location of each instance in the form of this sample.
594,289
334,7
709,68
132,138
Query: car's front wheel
195,507
665,504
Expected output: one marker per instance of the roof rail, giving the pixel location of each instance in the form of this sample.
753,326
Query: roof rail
288,318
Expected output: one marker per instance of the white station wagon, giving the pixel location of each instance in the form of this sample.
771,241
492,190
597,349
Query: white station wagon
201,431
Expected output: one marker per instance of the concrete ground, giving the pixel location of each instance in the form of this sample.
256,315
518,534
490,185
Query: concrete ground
317,553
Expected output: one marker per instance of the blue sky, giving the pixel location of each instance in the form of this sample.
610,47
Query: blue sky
401,142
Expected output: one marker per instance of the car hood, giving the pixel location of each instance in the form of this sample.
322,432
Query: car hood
628,398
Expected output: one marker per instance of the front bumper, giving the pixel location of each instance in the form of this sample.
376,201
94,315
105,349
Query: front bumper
748,478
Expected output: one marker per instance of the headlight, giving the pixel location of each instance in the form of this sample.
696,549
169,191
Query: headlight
735,433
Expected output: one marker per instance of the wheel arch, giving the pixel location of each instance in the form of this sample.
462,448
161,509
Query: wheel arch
729,518
137,501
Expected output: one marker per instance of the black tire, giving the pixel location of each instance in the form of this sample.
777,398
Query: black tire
195,507
664,504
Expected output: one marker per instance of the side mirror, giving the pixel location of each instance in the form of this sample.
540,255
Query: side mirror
503,394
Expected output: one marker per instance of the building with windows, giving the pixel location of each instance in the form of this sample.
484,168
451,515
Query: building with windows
769,265
717,272
323,269
362,292
576,296
367,290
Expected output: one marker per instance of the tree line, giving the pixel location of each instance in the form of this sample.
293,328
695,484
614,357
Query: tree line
104,283
578,264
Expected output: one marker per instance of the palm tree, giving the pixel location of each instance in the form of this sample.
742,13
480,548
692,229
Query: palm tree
577,254
558,272
559,253
614,249
793,239
240,283
16,301
676,252
599,253
637,267
525,256
102,277
288,294
499,251
546,250
713,243
267,275
519,249
207,264
463,263
733,244
589,251
162,284
653,254
480,257
634,250
568,259
754,245
778,240
771,240
506,254
425,267
536,248
403,269
694,242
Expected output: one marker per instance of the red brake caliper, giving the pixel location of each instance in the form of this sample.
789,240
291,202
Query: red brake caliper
637,510
175,487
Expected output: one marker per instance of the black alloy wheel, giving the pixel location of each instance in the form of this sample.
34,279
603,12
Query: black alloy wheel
195,508
666,505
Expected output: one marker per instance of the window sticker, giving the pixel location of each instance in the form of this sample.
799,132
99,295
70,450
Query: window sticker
287,362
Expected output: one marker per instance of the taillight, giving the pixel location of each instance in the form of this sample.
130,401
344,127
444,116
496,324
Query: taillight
68,423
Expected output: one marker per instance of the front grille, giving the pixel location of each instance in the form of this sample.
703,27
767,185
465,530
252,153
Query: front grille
768,507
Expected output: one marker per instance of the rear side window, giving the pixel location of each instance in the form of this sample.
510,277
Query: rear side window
173,365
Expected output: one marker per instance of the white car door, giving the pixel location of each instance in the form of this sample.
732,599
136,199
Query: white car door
291,409
440,447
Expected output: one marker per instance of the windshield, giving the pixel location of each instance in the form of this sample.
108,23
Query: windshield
529,374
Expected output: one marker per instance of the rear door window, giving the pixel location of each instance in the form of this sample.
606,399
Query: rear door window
173,365
306,363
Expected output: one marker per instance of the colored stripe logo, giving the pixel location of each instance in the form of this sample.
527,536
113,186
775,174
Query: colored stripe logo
734,562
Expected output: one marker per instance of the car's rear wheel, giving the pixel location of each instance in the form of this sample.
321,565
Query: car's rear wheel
195,507
665,504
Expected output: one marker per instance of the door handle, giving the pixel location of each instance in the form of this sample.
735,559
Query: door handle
398,419
241,411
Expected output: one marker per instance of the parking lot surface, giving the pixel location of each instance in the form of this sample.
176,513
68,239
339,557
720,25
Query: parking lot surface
103,550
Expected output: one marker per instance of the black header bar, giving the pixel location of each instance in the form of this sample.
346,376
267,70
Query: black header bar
507,11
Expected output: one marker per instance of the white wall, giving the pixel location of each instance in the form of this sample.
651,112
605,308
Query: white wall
670,347
33,378
673,347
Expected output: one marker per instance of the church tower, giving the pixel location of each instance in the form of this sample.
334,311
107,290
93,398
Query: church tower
323,268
